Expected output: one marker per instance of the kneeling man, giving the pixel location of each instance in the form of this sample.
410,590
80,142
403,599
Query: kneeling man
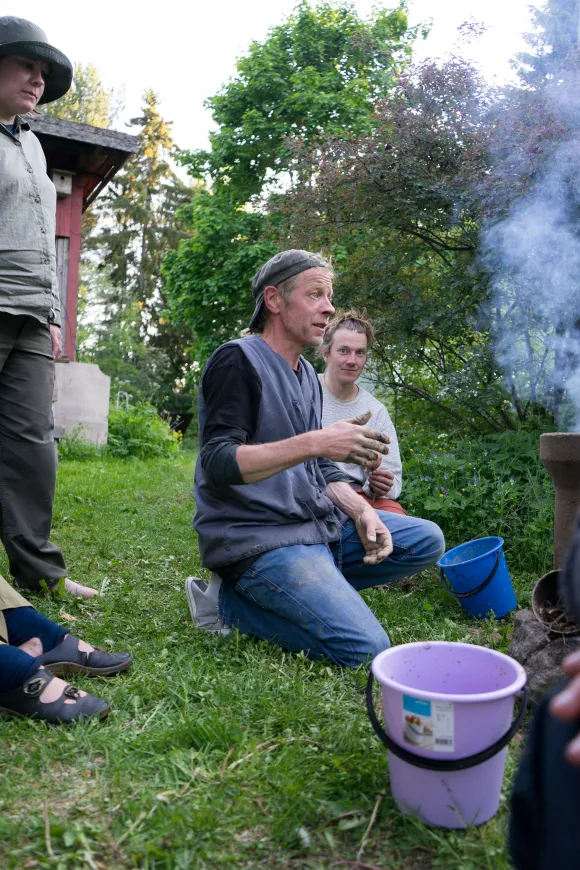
289,541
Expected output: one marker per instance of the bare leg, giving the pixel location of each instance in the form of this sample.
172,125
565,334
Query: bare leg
33,647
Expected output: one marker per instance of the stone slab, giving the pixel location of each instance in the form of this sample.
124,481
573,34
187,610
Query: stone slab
82,400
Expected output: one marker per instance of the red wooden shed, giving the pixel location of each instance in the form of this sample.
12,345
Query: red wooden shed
81,160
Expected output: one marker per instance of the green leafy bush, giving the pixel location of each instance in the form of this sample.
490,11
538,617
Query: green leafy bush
138,432
75,446
475,487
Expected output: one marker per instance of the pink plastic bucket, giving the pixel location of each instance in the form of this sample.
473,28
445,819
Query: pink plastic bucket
448,713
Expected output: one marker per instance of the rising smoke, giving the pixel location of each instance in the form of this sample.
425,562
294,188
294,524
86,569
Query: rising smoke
533,254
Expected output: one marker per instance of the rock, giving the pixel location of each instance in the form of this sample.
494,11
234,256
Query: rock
539,652
528,637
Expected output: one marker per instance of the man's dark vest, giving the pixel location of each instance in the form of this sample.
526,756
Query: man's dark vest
237,522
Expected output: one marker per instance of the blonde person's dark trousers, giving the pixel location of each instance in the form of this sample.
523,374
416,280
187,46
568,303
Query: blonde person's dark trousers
27,451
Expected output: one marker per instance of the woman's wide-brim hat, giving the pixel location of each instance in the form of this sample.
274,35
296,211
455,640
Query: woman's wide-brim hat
18,36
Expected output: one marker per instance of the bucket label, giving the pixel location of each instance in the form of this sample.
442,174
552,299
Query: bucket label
429,724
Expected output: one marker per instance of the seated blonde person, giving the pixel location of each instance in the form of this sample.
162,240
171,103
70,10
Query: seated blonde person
34,652
347,340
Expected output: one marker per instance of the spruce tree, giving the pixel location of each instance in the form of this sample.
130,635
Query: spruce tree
556,34
139,225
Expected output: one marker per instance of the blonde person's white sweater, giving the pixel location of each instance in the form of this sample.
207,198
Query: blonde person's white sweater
334,409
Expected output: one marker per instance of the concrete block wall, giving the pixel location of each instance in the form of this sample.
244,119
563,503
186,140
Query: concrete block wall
82,399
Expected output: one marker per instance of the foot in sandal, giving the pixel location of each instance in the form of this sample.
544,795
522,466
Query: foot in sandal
74,656
45,697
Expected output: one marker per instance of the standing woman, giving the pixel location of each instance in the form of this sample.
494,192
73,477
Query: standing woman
31,72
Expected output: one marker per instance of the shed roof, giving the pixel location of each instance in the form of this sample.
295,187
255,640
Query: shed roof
96,152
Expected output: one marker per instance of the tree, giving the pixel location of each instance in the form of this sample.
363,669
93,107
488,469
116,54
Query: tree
138,226
398,208
556,34
320,71
110,335
455,221
87,102
208,277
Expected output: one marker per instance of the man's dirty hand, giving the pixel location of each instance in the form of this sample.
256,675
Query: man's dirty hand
352,441
375,537
381,481
566,704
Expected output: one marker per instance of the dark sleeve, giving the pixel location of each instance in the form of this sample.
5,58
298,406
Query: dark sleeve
545,804
329,470
232,392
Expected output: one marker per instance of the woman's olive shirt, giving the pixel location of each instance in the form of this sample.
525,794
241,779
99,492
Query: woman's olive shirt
28,282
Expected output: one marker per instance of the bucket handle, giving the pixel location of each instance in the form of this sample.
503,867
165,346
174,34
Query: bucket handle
442,765
447,586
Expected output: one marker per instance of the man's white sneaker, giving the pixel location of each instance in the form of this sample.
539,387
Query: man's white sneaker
202,601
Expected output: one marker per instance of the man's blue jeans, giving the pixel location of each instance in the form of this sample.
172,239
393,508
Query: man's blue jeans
298,597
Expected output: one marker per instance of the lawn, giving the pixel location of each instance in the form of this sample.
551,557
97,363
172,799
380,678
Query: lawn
220,752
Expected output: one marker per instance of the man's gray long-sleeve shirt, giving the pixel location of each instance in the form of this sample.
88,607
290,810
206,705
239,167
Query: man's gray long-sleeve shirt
28,282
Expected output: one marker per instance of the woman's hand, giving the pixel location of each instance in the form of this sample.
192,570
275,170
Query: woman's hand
56,337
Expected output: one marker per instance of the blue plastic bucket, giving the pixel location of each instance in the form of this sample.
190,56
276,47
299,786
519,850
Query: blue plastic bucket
477,575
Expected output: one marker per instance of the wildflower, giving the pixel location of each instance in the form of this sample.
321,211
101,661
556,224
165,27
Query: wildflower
512,480
475,480
427,477
443,490
445,476
440,495
421,476
452,452
485,452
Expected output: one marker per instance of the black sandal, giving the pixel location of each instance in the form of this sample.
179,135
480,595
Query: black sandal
67,658
24,702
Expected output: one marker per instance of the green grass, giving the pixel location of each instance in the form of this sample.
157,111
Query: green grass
220,752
